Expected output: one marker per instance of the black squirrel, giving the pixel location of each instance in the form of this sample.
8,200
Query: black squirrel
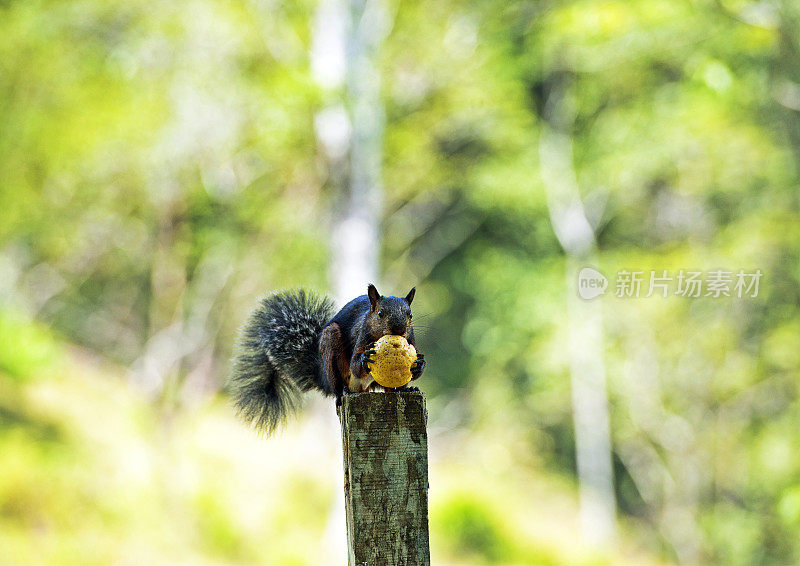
292,342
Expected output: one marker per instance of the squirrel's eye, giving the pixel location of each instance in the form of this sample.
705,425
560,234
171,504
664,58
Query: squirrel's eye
410,315
380,313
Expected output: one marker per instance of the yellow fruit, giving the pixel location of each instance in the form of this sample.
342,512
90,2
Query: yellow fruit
393,358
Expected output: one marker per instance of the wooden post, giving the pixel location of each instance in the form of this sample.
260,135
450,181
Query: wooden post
385,446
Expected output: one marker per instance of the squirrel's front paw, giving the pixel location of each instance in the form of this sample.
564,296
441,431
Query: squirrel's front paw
366,359
418,366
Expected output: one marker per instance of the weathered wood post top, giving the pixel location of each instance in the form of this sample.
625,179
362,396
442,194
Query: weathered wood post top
385,446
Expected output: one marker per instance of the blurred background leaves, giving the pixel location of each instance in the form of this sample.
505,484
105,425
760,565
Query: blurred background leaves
160,171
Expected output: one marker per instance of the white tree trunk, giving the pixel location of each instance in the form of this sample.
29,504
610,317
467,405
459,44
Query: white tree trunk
587,370
347,35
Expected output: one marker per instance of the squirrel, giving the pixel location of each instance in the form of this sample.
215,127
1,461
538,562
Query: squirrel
292,343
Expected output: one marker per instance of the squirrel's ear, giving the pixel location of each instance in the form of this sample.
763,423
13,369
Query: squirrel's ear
374,296
410,296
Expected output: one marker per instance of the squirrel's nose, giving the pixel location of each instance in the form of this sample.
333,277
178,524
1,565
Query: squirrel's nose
398,329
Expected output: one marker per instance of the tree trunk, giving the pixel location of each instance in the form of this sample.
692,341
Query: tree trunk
587,369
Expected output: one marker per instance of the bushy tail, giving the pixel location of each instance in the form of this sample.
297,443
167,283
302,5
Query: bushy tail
277,357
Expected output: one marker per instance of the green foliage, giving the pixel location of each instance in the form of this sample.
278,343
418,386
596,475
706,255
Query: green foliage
217,530
472,528
27,349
